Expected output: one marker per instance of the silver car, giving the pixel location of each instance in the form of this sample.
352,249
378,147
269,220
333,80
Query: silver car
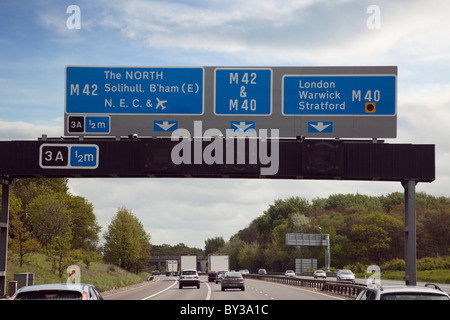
58,291
289,273
219,276
345,275
403,293
189,278
320,274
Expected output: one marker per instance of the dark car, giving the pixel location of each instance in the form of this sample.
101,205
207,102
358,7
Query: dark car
58,291
233,280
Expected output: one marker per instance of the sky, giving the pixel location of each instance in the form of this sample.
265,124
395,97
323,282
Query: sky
37,41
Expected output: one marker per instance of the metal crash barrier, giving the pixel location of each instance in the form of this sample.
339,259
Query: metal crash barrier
344,289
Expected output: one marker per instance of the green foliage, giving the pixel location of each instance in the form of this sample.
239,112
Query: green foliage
176,250
126,243
393,265
100,274
429,263
45,216
374,237
251,256
277,213
363,230
213,245
21,240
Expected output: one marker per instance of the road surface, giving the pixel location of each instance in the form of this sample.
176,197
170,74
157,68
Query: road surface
166,288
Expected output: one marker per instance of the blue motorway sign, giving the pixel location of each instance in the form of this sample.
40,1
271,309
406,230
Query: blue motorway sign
84,156
243,92
134,90
96,124
346,95
89,124
68,156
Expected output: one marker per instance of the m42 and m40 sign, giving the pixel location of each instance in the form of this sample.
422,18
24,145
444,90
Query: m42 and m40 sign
320,102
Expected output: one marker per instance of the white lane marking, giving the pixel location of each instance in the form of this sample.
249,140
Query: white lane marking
208,296
159,292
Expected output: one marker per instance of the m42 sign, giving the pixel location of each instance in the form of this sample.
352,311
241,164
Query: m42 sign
134,90
68,156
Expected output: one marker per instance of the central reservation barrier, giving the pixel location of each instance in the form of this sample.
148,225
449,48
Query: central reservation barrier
344,289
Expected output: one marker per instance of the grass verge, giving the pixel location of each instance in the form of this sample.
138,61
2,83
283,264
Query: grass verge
100,274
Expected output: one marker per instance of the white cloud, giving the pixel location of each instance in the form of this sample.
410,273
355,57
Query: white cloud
19,130
315,32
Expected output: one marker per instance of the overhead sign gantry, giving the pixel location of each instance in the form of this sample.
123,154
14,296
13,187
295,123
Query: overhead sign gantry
119,122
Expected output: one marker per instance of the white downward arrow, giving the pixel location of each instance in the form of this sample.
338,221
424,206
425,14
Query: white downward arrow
242,126
320,126
165,125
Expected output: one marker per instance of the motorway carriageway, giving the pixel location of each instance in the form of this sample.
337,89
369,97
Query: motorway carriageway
166,288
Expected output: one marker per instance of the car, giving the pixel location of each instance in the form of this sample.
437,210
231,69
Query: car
289,273
189,277
320,274
262,272
156,273
232,280
58,291
219,276
403,292
245,271
345,275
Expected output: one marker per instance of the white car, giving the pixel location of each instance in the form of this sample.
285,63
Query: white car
289,273
345,275
188,278
403,293
320,274
58,291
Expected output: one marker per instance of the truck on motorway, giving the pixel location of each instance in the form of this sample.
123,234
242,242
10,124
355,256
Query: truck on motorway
188,262
216,263
171,267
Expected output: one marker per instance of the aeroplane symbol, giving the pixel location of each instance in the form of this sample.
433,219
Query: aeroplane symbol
161,104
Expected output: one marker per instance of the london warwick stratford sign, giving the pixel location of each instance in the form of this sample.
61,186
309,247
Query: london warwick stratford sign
317,102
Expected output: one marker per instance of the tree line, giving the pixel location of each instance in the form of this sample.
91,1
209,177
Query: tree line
363,230
46,218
